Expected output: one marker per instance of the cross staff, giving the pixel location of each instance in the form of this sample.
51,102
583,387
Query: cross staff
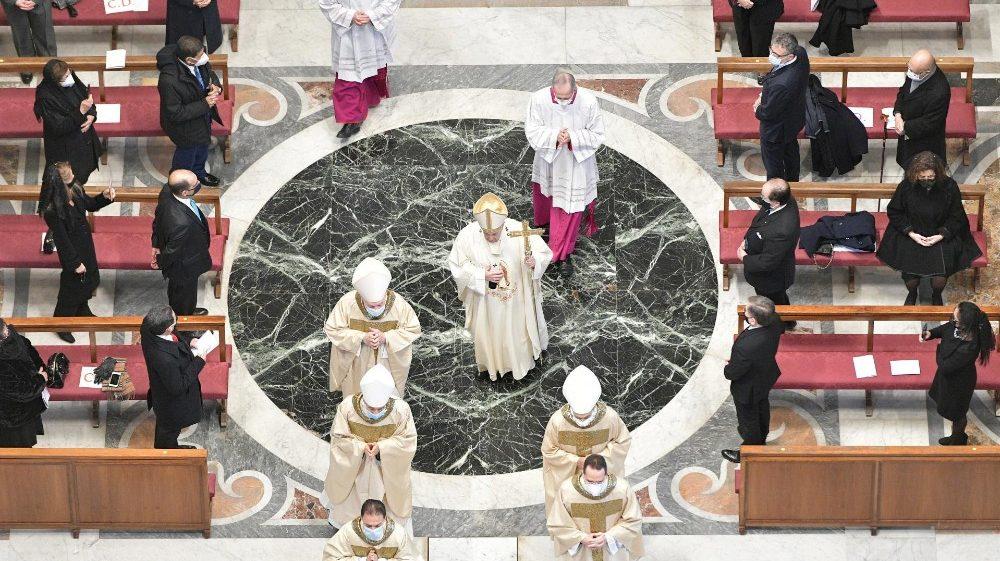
525,233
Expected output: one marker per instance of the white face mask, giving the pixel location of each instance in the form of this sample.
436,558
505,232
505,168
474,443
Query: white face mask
774,59
372,414
914,76
594,488
374,534
68,81
375,311
202,61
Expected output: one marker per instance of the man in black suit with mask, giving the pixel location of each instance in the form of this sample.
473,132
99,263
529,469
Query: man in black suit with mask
753,371
754,24
768,250
181,242
781,107
173,363
921,109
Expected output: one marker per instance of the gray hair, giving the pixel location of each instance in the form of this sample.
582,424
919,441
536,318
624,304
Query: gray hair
157,320
564,72
786,41
761,309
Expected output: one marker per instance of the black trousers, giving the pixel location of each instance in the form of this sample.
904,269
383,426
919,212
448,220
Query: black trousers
754,39
753,421
182,294
781,159
72,300
164,437
779,298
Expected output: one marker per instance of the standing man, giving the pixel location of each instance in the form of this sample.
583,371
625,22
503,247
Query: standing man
180,242
371,537
370,325
194,18
189,91
754,23
565,129
31,25
753,371
921,109
173,365
364,32
781,107
768,250
499,284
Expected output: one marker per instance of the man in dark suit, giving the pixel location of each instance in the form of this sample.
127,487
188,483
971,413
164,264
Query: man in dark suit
173,364
196,18
753,372
180,242
781,107
921,109
188,91
754,23
768,250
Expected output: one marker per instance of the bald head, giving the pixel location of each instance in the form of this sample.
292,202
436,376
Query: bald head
776,191
182,182
922,63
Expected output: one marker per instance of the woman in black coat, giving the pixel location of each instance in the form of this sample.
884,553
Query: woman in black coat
928,233
965,339
22,381
66,109
66,215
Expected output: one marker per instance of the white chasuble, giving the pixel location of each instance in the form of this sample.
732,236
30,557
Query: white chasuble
351,544
350,357
615,512
567,440
360,50
506,322
567,174
354,477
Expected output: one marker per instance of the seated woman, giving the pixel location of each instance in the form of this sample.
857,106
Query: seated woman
22,381
66,215
928,233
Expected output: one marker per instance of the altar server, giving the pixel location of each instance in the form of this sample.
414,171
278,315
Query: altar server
498,282
372,443
371,537
370,325
565,128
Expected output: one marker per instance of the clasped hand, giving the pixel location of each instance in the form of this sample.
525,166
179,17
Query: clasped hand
361,18
372,556
372,449
529,260
494,274
745,4
595,541
926,241
563,138
25,5
375,338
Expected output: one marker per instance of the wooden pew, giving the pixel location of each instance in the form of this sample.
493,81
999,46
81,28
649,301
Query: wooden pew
140,111
214,377
733,118
733,223
824,361
106,489
944,487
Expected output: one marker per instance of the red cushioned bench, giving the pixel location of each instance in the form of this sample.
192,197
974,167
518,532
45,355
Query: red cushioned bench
122,242
90,13
732,106
140,105
733,224
888,11
214,377
825,361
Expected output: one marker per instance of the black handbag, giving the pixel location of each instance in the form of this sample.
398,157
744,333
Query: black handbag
57,368
48,243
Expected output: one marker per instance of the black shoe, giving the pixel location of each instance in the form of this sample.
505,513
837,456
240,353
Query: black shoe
731,455
911,299
26,78
355,128
343,133
66,336
567,268
199,312
210,180
954,440
185,447
790,325
72,11
937,300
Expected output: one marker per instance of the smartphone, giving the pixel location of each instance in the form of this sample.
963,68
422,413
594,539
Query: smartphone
116,378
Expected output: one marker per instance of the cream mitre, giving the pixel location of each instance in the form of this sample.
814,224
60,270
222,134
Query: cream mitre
377,386
371,280
490,213
582,390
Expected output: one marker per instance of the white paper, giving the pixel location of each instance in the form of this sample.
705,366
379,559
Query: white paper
46,396
864,366
87,373
904,367
207,343
847,249
813,5
114,59
888,114
140,5
865,114
108,113
117,6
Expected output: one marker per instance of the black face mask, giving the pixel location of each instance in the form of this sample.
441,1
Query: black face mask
197,187
926,183
760,202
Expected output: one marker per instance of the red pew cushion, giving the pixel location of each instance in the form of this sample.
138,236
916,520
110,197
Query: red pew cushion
91,13
211,486
797,11
102,223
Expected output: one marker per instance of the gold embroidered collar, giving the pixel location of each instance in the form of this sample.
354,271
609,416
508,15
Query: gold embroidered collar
390,296
389,527
361,413
602,408
578,485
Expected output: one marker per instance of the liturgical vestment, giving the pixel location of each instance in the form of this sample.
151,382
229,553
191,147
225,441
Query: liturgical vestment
350,544
615,512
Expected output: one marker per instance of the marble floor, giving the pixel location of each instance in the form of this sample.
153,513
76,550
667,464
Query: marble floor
647,308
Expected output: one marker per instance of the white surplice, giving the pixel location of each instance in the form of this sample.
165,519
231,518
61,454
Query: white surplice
360,50
568,176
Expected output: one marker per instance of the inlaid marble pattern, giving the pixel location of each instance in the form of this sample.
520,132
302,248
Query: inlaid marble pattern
640,309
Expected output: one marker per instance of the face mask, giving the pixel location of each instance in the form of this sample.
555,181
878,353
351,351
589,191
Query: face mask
925,183
760,201
375,311
370,414
595,488
203,60
774,59
914,76
197,187
68,82
374,534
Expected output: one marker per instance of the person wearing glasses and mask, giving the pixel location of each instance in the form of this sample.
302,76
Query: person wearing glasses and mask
65,213
928,233
921,109
189,91
181,241
781,107
371,537
22,383
66,110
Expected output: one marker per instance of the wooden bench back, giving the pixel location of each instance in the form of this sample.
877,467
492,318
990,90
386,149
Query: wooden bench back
853,191
207,195
118,324
104,488
941,486
11,65
896,64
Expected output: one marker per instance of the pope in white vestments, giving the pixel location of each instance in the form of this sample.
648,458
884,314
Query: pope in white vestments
499,284
364,32
565,128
